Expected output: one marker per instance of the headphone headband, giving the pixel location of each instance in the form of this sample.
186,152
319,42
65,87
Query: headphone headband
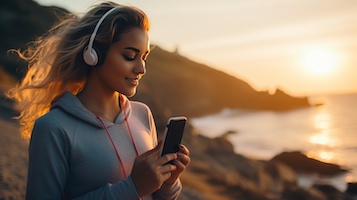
90,56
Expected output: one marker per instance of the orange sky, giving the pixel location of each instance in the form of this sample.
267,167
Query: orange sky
304,47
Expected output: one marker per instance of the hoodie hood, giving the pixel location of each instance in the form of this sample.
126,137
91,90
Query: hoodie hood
70,104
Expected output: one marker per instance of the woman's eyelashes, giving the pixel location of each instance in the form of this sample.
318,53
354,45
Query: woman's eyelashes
129,58
132,58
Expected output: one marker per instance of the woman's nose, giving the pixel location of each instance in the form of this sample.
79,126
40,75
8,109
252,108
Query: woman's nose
140,68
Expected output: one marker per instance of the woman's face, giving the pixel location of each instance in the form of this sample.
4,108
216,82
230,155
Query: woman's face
125,62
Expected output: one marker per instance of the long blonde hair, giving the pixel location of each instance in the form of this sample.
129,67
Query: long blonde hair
55,61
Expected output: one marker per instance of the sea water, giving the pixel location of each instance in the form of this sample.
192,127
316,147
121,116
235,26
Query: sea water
327,132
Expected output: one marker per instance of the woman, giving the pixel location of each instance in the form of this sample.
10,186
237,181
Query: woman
88,140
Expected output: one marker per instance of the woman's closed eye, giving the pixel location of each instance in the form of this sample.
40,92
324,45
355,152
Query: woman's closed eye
129,58
132,58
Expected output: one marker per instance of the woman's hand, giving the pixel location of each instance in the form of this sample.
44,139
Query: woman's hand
181,162
150,172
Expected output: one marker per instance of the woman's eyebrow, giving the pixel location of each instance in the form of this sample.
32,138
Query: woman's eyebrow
135,49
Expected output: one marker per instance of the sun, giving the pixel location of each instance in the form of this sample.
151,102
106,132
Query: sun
319,61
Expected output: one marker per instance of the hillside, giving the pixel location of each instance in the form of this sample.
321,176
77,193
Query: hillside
182,86
21,21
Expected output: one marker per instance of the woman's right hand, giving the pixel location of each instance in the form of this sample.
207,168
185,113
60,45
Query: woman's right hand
150,170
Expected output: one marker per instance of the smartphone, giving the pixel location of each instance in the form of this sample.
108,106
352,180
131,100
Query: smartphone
173,134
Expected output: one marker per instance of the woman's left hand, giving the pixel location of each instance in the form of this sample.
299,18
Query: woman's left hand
183,159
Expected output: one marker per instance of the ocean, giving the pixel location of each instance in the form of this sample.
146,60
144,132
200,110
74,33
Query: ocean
327,132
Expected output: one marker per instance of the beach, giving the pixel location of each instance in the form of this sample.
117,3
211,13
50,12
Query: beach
13,161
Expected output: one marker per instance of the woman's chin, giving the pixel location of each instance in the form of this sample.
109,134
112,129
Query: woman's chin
130,93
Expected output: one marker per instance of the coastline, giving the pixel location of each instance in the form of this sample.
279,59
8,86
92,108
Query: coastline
215,172
209,176
325,133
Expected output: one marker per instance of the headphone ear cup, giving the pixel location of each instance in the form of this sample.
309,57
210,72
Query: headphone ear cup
90,56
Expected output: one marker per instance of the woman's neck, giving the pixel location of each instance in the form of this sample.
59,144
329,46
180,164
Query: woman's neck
105,105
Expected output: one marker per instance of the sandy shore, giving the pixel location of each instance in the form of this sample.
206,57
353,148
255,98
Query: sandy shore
13,161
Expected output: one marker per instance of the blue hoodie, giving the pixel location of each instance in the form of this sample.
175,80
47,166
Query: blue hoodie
71,155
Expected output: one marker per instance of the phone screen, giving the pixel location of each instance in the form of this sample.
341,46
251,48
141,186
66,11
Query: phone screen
174,132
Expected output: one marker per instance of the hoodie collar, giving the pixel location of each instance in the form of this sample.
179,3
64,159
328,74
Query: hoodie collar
70,104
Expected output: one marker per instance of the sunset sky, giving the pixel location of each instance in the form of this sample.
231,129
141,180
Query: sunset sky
304,47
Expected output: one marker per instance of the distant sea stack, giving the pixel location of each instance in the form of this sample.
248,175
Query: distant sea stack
303,164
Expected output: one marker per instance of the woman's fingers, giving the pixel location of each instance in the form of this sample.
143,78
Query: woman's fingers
164,169
184,159
153,152
150,170
166,158
183,149
153,156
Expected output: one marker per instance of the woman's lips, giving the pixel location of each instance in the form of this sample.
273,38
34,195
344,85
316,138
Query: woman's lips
133,81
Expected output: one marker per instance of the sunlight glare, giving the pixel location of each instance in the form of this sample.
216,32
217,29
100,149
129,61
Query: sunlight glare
321,155
322,123
322,120
319,61
321,139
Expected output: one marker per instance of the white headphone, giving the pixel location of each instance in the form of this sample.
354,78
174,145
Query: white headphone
90,56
